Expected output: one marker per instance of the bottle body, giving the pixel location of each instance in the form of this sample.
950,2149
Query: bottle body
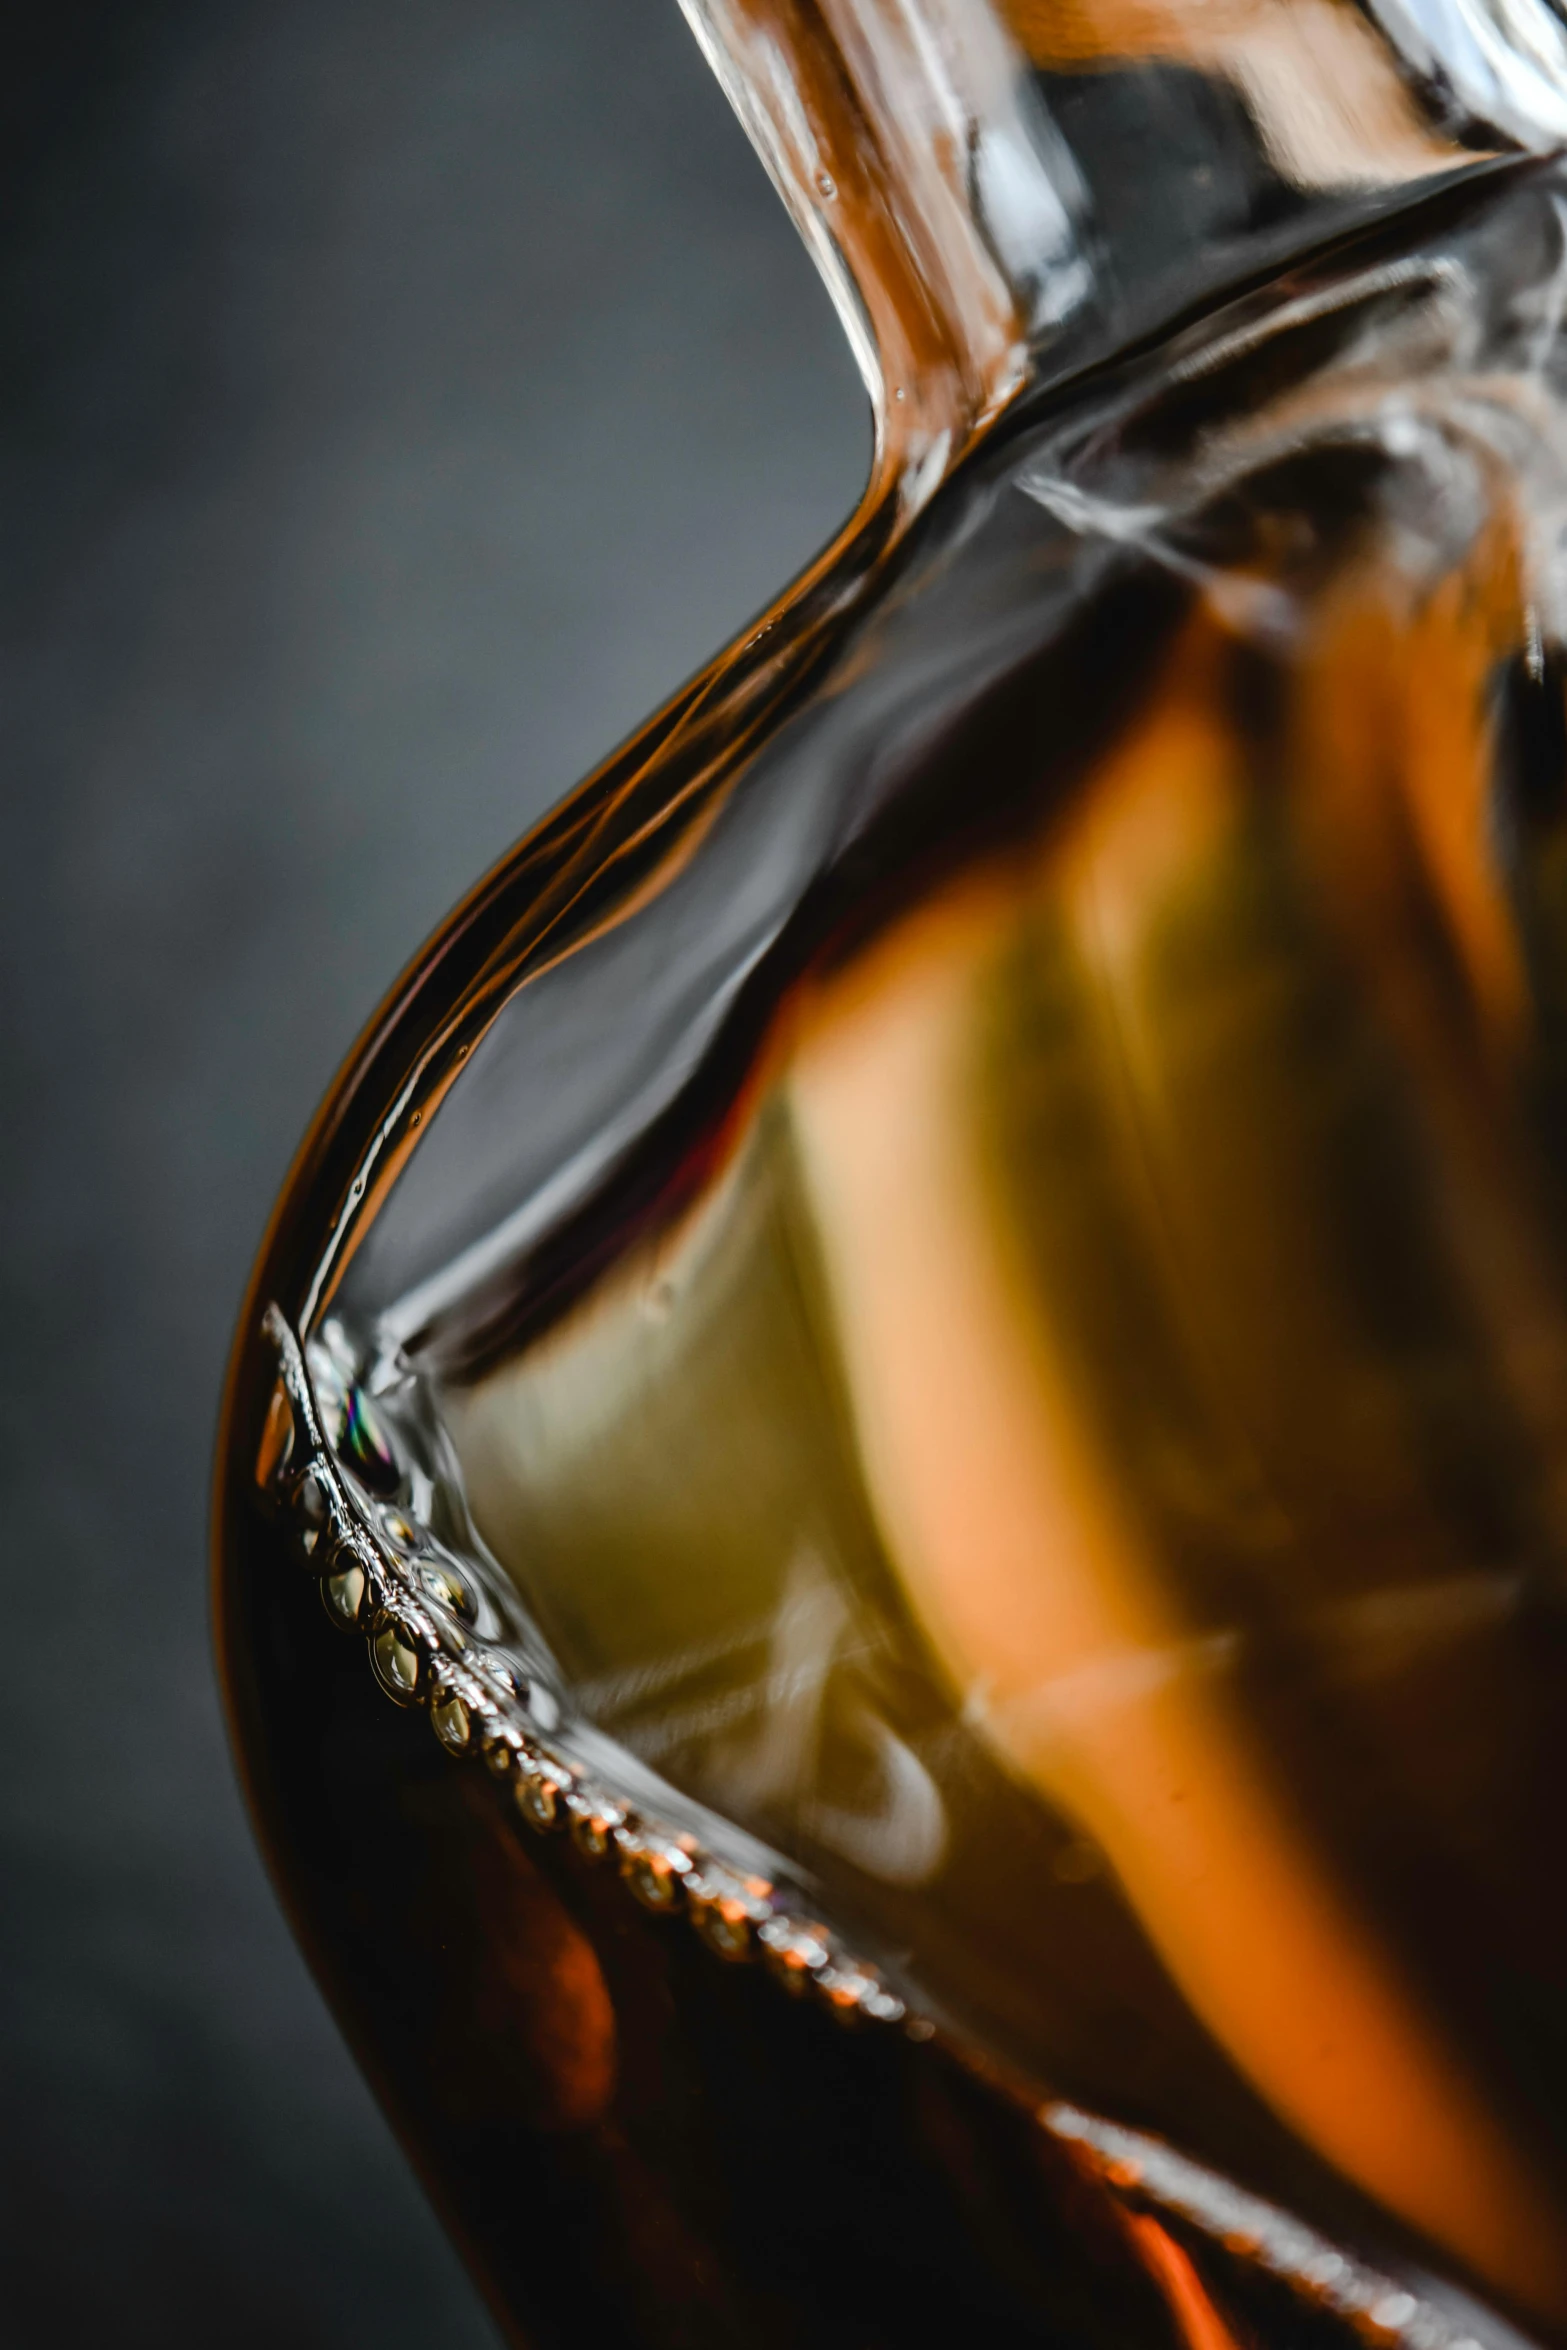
934,1326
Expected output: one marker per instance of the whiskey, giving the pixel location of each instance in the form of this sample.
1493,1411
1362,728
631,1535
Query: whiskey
932,1337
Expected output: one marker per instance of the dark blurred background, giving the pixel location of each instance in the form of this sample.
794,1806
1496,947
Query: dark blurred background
399,397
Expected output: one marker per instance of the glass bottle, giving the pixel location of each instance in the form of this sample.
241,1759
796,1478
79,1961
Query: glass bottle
932,1333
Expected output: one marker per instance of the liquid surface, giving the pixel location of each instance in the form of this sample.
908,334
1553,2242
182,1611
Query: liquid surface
980,1303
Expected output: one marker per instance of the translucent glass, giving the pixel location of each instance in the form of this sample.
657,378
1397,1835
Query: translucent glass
937,1321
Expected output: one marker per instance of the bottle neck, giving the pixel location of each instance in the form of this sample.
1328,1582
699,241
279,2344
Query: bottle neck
994,189
900,136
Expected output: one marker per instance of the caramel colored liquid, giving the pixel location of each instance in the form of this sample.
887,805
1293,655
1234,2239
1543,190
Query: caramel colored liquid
987,1311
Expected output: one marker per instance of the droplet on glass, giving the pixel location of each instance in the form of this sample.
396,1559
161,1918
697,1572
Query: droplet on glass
826,185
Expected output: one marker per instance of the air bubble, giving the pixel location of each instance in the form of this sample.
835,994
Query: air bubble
312,1504
655,1871
452,1725
445,1585
796,1954
398,1664
343,1596
363,1444
594,1820
541,1794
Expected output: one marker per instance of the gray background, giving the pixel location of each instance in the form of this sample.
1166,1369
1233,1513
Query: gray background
398,398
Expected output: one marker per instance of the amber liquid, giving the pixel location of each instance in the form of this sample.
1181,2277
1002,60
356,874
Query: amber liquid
1043,1404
